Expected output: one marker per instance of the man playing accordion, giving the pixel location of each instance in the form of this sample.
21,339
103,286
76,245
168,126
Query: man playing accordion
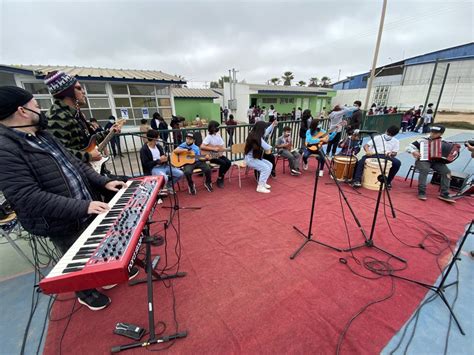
430,153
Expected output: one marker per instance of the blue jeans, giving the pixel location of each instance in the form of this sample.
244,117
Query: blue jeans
320,157
261,165
164,170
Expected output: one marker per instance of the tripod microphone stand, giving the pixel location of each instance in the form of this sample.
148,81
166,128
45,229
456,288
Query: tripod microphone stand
382,178
309,237
441,287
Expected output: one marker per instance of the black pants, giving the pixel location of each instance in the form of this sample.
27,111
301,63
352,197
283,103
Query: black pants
224,165
271,158
332,144
115,143
188,171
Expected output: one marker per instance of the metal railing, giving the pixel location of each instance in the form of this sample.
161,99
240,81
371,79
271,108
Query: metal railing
128,163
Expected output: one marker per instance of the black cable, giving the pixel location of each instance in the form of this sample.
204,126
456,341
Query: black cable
67,324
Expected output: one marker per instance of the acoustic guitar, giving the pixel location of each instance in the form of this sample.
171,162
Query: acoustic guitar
179,160
97,164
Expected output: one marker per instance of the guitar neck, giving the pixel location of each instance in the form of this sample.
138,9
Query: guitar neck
106,140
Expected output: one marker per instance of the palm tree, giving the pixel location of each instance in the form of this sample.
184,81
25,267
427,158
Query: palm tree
301,83
287,78
325,81
313,82
275,81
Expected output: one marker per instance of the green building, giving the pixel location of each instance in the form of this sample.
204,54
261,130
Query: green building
284,98
191,102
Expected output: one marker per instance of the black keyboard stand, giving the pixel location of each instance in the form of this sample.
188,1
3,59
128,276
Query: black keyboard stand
148,265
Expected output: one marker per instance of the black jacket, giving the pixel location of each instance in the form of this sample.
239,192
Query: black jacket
147,159
33,182
356,120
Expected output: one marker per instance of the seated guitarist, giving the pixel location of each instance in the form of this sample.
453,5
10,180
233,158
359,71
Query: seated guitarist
155,162
186,146
315,138
213,145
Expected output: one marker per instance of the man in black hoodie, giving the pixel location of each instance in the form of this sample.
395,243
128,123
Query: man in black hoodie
53,193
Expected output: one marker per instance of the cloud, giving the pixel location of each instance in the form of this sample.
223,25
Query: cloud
201,40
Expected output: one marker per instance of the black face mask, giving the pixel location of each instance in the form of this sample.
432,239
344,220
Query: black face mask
42,122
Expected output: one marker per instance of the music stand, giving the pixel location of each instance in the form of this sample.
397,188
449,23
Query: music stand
382,178
441,287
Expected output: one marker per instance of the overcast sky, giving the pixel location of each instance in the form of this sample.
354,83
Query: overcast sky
201,40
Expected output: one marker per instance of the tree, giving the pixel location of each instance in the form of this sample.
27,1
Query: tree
222,80
313,82
214,85
301,83
275,81
325,82
287,78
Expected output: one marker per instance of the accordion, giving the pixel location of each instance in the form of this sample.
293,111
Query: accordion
437,150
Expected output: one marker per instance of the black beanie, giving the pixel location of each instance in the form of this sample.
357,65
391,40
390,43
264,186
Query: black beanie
11,97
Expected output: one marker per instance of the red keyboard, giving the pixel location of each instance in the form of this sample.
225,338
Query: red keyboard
106,251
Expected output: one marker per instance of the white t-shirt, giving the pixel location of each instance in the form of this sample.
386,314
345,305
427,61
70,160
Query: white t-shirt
155,152
214,139
298,114
271,112
384,144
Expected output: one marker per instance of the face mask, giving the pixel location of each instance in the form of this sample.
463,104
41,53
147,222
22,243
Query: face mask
387,137
356,107
42,123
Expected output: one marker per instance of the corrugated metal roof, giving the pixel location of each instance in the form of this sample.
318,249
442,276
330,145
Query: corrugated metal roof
289,89
196,93
99,73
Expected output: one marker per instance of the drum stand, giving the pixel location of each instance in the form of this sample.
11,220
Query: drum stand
309,237
369,242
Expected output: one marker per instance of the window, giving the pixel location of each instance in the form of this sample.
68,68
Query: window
99,103
37,88
95,88
269,100
141,89
45,104
164,102
144,101
162,90
119,89
285,100
122,102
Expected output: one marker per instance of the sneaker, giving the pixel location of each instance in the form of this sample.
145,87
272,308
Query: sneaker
133,272
305,166
446,198
263,189
208,186
192,189
267,186
220,183
294,172
93,299
321,173
356,184
108,287
422,196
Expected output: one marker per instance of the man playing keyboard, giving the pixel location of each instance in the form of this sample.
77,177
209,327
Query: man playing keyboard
53,193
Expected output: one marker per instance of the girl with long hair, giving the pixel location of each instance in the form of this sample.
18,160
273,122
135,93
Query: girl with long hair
255,146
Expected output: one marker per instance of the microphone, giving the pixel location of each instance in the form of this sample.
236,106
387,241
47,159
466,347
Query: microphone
360,131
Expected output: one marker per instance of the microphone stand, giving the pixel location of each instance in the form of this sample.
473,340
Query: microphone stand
175,206
309,237
369,242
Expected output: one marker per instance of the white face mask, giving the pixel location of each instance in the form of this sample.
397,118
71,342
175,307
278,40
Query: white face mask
387,137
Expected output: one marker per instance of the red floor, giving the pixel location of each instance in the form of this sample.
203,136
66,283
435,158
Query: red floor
243,294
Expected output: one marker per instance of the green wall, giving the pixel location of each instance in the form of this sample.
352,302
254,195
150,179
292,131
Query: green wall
189,108
314,103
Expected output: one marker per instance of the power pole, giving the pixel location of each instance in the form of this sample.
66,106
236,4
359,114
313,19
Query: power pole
376,54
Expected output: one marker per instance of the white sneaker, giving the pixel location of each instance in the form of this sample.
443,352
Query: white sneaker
263,189
321,173
305,166
268,186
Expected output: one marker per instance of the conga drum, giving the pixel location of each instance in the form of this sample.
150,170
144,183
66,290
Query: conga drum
372,171
344,167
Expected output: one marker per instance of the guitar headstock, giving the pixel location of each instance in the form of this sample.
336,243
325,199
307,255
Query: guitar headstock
120,122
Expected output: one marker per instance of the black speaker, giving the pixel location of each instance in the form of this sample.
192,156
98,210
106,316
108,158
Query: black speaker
457,179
